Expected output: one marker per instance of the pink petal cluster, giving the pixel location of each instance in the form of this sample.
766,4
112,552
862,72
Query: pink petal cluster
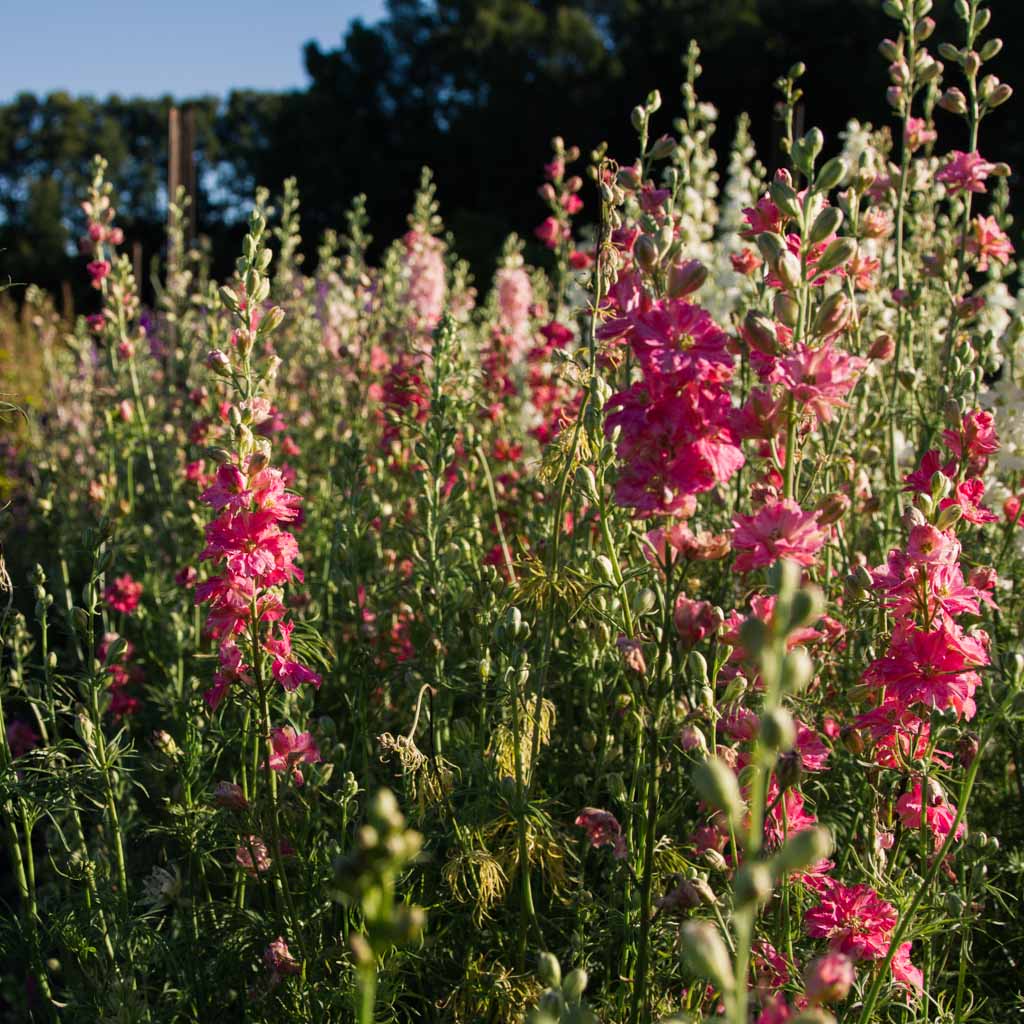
123,594
279,960
965,172
255,557
675,435
818,378
425,278
939,815
854,919
779,529
292,749
988,241
603,829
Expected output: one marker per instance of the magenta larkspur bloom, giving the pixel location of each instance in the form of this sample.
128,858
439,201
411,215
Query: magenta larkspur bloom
292,749
780,529
818,378
123,594
279,960
854,919
939,815
603,829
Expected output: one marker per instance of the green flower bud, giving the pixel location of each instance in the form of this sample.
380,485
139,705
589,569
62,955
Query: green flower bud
717,786
705,954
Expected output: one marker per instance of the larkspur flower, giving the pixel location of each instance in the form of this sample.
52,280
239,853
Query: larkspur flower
123,594
603,829
292,749
780,529
854,919
965,172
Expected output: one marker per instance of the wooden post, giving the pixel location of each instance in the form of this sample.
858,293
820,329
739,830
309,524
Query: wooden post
173,153
181,160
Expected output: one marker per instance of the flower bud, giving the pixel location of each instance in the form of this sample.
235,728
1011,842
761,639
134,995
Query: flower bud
637,117
789,769
753,884
759,332
838,252
574,985
829,978
831,173
832,508
852,739
787,267
717,786
778,732
662,148
826,224
991,49
785,309
797,670
771,246
705,954
645,252
882,349
548,970
685,278
953,101
803,850
832,316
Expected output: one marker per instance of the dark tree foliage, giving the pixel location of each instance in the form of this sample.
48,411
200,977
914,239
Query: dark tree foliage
474,88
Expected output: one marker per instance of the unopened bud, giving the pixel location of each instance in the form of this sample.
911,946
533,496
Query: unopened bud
804,849
685,278
832,316
785,309
826,224
717,786
787,267
833,508
753,884
838,252
645,252
778,731
882,349
953,101
706,955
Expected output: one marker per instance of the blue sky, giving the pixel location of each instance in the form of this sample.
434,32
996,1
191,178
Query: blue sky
153,47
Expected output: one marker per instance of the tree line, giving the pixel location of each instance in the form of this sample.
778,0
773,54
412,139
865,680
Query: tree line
473,88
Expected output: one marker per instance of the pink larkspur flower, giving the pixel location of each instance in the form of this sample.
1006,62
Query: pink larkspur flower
780,529
123,594
292,749
965,172
603,829
854,919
